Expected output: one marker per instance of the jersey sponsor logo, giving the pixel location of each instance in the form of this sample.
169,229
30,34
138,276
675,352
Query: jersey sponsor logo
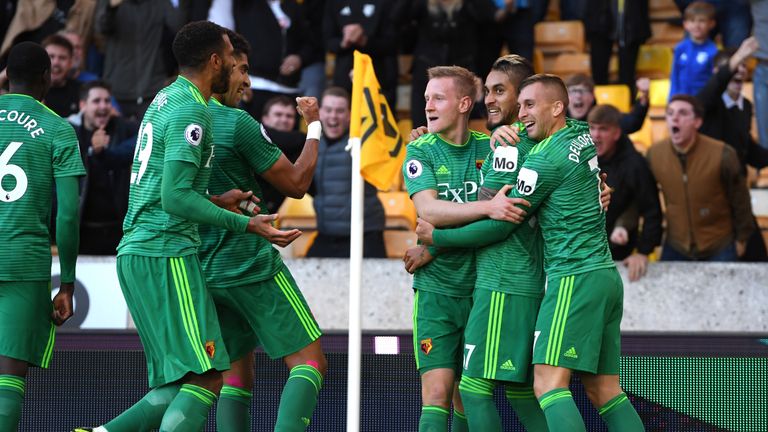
508,365
426,346
526,181
413,168
193,134
265,134
458,195
210,348
505,159
577,145
571,353
442,170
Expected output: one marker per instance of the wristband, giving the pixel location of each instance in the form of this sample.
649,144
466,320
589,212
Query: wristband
314,130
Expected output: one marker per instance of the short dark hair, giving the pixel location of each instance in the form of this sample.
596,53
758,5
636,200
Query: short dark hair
239,43
697,9
698,109
59,40
277,100
338,92
581,79
85,88
28,63
605,115
196,42
515,67
552,82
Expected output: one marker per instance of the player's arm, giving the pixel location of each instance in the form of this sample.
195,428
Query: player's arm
447,213
536,181
67,241
293,179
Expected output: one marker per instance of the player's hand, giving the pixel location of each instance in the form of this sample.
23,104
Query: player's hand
99,140
262,225
605,192
62,304
232,200
636,264
416,257
416,133
424,231
746,49
619,236
501,207
643,86
741,248
504,135
308,108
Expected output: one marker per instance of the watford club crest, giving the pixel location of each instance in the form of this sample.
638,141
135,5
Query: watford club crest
210,348
426,346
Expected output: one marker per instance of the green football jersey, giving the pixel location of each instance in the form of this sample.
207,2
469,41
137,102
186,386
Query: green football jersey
243,150
514,265
454,172
176,127
561,180
36,146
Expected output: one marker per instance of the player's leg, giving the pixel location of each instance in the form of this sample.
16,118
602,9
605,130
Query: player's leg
26,337
603,388
234,405
299,398
550,384
459,421
436,394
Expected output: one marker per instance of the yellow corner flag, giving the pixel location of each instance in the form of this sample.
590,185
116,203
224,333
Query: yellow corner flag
382,149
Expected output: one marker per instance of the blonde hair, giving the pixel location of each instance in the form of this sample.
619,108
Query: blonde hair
467,83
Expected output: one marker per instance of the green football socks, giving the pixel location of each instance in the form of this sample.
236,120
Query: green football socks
459,422
561,411
147,413
299,399
619,415
233,410
11,398
189,410
527,408
433,419
477,396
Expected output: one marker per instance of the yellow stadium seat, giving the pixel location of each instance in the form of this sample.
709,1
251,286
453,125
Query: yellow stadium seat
300,246
663,10
643,138
658,95
398,210
553,10
405,126
297,213
567,64
398,241
538,61
559,37
614,94
664,33
654,61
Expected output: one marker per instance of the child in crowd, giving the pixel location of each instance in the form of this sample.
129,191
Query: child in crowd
693,59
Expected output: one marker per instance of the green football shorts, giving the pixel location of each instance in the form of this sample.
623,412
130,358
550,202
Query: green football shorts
271,312
438,330
579,324
26,330
498,341
174,314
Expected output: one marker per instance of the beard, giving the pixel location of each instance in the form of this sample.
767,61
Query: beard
221,83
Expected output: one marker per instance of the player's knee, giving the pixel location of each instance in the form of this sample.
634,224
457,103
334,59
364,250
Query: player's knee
437,394
12,366
321,363
211,380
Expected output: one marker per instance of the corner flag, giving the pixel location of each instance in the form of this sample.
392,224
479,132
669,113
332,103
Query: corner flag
382,149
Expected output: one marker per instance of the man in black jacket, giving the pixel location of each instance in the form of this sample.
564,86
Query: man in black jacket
106,146
635,195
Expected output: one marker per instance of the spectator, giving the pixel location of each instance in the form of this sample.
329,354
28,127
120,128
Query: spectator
760,77
78,58
693,57
135,58
313,79
513,27
332,198
32,20
732,17
727,113
708,210
626,24
634,192
279,119
446,34
581,100
106,145
64,96
276,66
369,27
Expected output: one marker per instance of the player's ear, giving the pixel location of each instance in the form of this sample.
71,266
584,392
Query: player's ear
465,104
558,107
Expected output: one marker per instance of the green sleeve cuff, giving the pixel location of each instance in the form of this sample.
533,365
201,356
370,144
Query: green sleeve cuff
477,234
67,225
